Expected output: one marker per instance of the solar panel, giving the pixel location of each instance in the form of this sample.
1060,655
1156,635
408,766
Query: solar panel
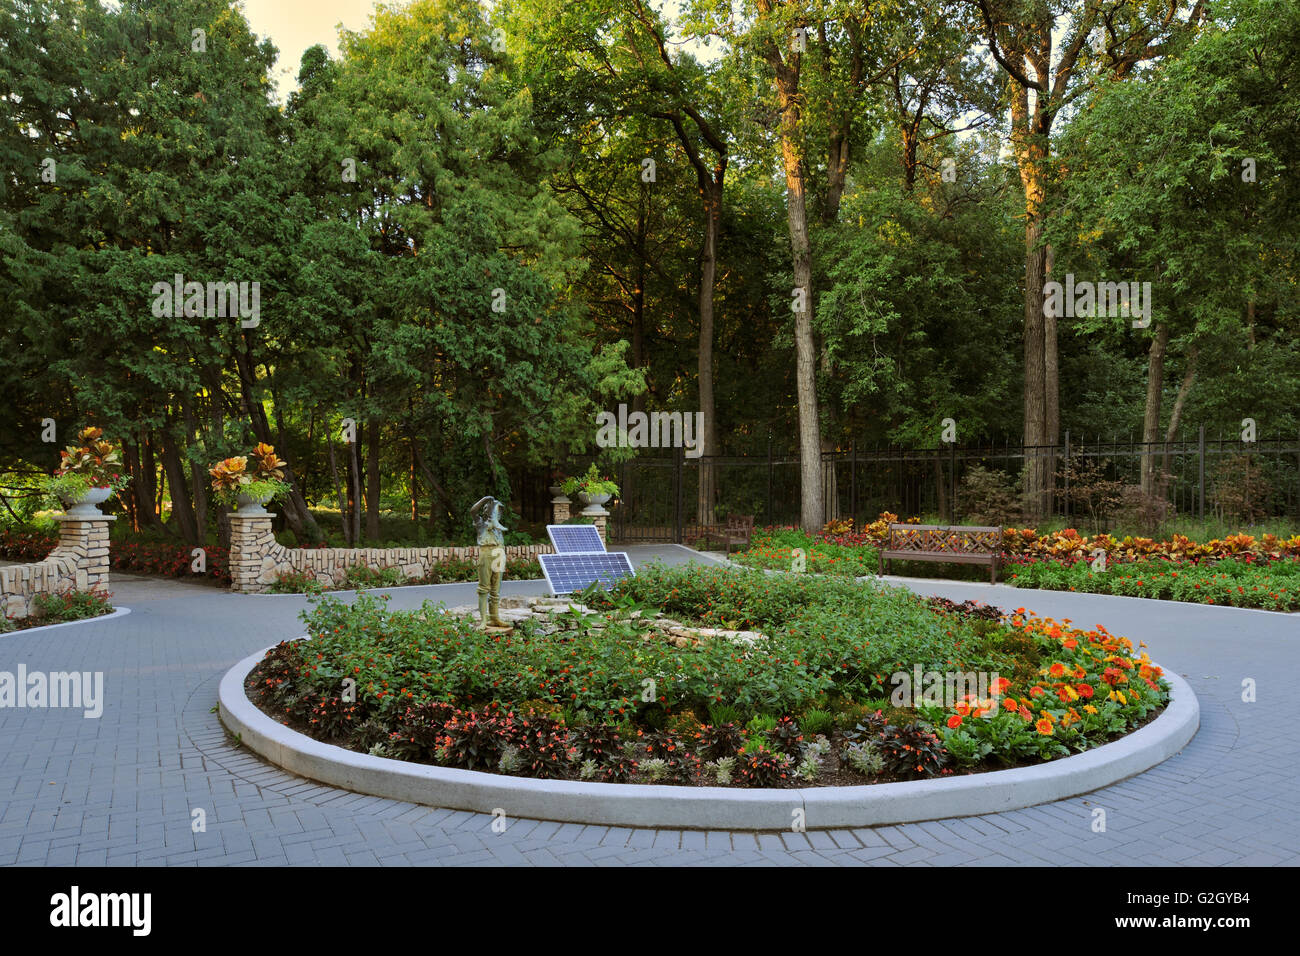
575,538
566,573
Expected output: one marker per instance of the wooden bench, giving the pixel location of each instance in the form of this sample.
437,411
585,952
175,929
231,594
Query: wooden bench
960,544
738,530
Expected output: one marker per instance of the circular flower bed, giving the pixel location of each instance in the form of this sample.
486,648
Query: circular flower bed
711,677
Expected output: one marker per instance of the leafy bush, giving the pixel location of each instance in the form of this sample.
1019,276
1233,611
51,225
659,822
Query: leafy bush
71,605
762,767
1241,492
542,746
714,742
786,737
295,582
988,497
913,750
364,576
472,740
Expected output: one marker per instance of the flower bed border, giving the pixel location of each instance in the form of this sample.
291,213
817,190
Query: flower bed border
707,808
22,631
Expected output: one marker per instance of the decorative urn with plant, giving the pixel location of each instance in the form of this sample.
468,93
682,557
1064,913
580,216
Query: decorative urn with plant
250,481
88,474
593,489
556,487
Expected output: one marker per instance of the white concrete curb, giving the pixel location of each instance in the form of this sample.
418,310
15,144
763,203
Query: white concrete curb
707,808
116,612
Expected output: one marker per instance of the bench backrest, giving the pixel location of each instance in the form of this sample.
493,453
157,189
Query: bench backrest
945,539
740,524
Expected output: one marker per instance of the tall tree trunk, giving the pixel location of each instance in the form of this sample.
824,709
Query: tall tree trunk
177,482
940,486
812,510
1036,487
1176,418
296,513
372,482
415,498
708,442
1051,384
1151,416
1030,144
354,491
131,459
147,488
338,491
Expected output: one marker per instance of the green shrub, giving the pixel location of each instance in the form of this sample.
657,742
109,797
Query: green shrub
70,605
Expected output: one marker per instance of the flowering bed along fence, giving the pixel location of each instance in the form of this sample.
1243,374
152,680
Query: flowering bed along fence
1239,570
135,557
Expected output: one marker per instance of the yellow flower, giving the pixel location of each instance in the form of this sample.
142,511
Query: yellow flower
1089,709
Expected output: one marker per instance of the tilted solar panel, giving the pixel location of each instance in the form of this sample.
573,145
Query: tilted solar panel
566,573
575,538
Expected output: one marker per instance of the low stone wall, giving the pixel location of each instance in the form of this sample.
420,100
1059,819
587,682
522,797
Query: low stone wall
257,559
78,562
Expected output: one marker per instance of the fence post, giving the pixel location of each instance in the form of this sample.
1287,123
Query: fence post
853,483
769,480
677,495
1200,479
1067,474
952,495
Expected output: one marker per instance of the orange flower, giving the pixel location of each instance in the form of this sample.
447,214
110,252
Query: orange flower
1057,669
954,721
1044,727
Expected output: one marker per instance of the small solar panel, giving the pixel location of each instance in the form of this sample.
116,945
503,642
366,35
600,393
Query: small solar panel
566,573
575,538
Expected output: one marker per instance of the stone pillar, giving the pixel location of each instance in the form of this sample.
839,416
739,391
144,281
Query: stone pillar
600,518
85,538
560,509
251,540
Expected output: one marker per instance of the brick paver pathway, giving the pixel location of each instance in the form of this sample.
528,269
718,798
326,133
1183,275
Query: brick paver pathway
122,789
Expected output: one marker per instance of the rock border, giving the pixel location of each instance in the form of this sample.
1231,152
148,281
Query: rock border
707,808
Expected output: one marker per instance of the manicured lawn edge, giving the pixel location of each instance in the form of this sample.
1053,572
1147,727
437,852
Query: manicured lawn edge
707,808
116,612
1012,589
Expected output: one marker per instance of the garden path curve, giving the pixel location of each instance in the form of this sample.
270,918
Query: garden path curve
121,789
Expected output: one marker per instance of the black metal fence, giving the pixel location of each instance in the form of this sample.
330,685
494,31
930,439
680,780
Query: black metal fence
660,498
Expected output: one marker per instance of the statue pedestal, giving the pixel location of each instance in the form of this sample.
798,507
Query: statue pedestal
560,509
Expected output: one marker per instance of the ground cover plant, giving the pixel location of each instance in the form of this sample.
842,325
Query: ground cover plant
1236,582
809,697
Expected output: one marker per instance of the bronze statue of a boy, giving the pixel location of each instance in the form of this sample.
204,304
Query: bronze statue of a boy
486,514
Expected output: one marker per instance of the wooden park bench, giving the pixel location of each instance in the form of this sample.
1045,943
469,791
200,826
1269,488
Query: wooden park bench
738,530
932,542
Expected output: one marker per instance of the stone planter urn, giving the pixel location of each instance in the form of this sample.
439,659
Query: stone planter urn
557,491
247,505
87,506
594,503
